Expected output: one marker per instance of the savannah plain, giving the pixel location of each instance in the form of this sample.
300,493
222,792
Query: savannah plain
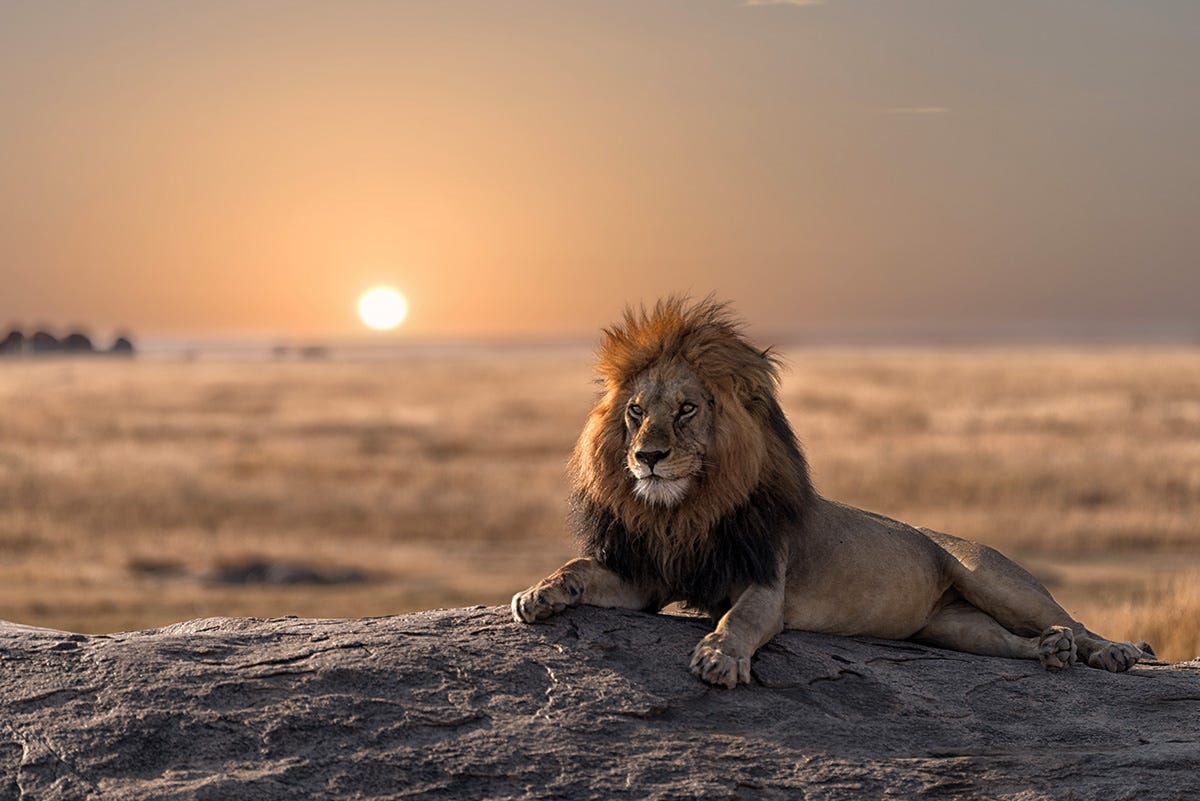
129,490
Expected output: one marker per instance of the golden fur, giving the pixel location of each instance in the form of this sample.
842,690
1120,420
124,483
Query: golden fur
689,486
706,339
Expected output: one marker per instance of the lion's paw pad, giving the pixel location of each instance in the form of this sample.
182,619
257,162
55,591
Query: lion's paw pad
714,666
1115,657
1056,648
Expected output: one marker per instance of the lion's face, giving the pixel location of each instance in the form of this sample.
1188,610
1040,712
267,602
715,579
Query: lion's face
668,424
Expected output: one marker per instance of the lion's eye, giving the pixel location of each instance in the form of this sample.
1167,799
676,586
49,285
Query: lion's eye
687,408
635,410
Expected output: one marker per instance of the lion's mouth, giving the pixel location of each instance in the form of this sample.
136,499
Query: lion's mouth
660,490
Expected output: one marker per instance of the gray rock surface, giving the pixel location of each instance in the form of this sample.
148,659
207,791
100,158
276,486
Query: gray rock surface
466,704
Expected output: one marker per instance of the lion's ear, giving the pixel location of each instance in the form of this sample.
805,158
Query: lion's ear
738,447
752,390
761,379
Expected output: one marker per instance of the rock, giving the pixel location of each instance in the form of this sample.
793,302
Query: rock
122,346
594,704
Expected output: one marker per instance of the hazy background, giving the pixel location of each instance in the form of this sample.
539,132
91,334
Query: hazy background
1004,194
195,169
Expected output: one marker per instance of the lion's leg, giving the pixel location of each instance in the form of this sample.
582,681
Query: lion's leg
1007,592
723,657
1000,587
580,581
962,627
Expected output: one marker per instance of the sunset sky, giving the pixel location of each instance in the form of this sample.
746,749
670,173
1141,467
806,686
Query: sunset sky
219,169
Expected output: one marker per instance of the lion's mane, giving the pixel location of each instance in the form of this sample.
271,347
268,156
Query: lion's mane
752,492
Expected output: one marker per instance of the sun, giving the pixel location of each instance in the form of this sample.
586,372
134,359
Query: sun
382,308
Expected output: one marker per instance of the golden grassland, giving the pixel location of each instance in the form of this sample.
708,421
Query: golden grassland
124,485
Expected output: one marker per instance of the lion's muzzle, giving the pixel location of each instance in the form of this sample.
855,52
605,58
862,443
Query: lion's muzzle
650,458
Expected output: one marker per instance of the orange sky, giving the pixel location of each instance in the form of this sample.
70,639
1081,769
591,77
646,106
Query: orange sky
526,168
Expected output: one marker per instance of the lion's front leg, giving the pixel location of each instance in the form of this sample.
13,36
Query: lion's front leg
580,581
723,657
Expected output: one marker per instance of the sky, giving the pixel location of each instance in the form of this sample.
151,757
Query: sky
527,168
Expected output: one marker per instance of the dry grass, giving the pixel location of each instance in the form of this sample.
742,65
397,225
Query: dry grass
123,484
1166,614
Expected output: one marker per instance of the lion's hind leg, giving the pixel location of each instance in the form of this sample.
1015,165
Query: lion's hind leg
1006,592
960,626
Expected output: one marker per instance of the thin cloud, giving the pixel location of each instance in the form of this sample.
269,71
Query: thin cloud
917,110
746,3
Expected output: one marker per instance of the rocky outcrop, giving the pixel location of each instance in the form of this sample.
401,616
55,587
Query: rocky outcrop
593,704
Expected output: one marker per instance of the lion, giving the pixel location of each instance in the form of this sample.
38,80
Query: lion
690,487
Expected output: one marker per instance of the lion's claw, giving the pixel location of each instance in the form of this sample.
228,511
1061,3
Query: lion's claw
533,605
714,666
547,598
1056,648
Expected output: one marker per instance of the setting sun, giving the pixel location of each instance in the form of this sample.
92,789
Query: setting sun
382,308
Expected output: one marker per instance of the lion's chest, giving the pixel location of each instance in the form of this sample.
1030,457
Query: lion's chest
702,570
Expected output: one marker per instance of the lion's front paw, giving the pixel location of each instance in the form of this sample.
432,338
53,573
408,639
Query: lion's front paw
1056,649
715,666
547,598
1115,657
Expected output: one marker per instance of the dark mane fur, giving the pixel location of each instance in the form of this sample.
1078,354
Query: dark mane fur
744,546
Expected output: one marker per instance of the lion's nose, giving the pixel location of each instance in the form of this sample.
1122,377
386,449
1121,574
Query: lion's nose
650,458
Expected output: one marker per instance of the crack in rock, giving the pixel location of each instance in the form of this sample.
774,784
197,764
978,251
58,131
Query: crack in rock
841,674
34,750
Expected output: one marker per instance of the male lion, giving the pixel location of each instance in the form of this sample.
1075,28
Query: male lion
689,486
